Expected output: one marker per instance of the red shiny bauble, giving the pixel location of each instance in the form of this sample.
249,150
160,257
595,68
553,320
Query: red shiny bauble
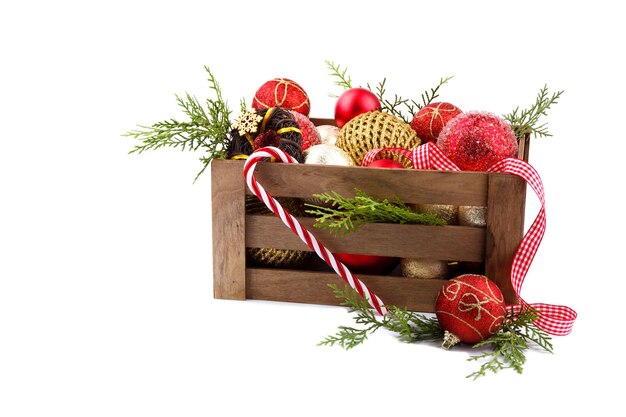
428,122
385,163
475,141
282,92
471,307
353,102
368,264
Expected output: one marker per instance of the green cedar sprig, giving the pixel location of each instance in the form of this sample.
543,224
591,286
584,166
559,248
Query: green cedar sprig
510,343
410,327
207,129
343,80
528,120
347,214
399,106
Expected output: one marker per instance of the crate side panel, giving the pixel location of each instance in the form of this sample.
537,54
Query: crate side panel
228,225
312,288
455,243
505,229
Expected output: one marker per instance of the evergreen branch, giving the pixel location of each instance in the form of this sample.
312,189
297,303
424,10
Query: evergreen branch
429,96
404,108
527,121
391,107
509,345
342,78
207,129
348,214
242,104
410,327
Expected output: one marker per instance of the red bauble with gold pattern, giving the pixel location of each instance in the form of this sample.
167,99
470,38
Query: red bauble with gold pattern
470,307
428,122
475,140
354,102
282,92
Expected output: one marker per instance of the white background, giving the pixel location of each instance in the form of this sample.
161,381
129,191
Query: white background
106,301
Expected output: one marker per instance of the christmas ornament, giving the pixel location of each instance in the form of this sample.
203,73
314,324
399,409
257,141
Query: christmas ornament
328,134
475,141
353,102
280,258
324,154
424,268
374,130
310,135
385,163
428,122
284,93
447,212
475,216
368,264
470,308
256,129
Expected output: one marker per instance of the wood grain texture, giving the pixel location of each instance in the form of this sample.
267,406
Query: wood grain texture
505,229
228,225
317,121
456,243
312,287
408,185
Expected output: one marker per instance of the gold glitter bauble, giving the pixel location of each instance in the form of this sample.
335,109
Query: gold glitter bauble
328,134
281,258
474,216
424,268
324,154
449,213
374,130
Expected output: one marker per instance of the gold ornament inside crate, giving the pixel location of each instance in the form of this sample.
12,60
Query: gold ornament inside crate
279,258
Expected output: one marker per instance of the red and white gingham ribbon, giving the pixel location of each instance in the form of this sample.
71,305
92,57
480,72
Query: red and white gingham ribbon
301,231
557,320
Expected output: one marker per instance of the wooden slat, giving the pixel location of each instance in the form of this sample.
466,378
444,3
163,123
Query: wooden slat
505,228
410,186
456,243
317,121
312,287
228,225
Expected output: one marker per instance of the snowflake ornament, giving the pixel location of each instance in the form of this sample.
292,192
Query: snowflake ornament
247,122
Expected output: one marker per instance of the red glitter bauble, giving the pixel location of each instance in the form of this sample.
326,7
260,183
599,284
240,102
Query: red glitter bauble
429,121
470,307
368,264
475,141
353,102
282,92
310,134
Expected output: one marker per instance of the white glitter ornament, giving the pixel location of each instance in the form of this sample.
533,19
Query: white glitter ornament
328,134
325,154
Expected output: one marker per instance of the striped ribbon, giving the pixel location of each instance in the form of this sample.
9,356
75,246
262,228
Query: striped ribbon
301,231
557,320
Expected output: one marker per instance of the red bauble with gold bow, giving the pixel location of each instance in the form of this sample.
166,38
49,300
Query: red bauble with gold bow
470,308
283,93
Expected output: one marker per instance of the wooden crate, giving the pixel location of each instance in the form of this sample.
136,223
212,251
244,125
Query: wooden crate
234,230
